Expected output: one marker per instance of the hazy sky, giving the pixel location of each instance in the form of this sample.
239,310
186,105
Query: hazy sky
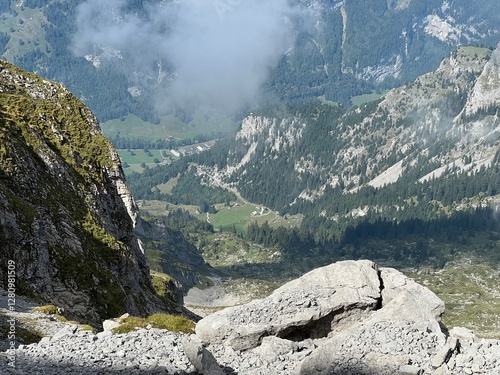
221,50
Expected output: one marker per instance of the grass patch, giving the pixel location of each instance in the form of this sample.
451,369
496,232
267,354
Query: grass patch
241,215
167,187
52,310
135,160
226,217
133,127
86,327
173,323
164,285
365,98
469,289
130,324
47,309
140,156
472,51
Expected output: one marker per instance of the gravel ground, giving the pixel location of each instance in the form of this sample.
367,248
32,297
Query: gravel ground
208,300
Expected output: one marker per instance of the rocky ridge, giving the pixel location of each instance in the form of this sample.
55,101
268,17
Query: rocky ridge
446,119
66,214
350,317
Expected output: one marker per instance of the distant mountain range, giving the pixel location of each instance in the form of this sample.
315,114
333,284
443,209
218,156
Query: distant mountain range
342,49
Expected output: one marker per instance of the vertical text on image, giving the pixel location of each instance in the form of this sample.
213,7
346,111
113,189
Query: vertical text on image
11,303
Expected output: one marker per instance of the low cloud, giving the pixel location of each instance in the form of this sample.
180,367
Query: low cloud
212,54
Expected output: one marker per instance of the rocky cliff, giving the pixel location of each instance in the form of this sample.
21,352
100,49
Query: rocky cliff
66,215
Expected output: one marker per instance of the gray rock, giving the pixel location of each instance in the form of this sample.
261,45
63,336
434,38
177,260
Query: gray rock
407,321
308,307
409,370
108,324
200,357
444,354
66,331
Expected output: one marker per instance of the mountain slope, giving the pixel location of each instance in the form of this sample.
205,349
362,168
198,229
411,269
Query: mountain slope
420,154
446,120
66,214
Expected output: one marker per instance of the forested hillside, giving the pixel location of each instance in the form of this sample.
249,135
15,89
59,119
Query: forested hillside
423,160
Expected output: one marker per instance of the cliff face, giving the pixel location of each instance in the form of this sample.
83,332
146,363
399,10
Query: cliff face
66,215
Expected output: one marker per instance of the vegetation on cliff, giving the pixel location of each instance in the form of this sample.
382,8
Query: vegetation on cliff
65,212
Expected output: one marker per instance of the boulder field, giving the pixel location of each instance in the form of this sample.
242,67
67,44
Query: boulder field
348,318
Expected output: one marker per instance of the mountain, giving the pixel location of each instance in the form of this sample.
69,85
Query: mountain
340,49
66,214
422,158
354,47
443,121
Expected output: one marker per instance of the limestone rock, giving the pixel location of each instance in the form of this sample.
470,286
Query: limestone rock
308,307
200,357
109,324
444,354
66,331
390,337
409,370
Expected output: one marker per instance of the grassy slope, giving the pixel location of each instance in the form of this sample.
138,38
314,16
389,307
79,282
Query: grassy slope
25,29
469,287
133,127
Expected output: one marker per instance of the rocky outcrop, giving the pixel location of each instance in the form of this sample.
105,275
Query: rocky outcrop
404,330
486,91
348,318
66,214
304,308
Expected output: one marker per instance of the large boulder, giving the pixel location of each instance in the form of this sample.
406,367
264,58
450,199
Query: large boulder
312,306
403,335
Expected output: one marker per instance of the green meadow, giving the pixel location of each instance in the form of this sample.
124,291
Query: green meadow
133,127
241,215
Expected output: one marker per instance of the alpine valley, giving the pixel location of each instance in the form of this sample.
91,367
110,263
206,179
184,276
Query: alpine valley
345,221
